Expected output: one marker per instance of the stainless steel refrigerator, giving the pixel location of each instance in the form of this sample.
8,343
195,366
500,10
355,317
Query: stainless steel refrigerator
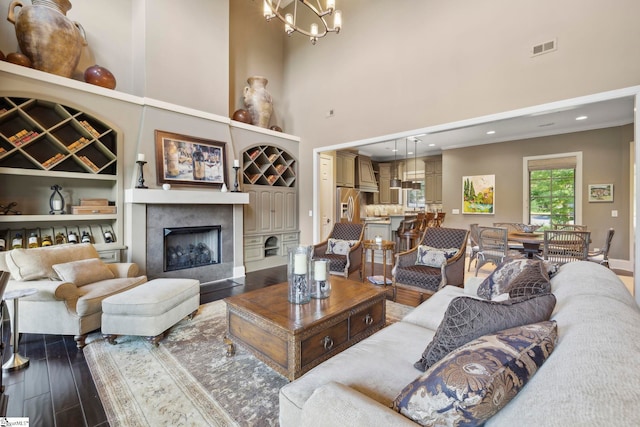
348,205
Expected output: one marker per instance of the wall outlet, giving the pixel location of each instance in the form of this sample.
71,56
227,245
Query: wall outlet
455,211
310,212
614,213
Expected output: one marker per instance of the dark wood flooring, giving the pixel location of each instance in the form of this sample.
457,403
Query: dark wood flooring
57,389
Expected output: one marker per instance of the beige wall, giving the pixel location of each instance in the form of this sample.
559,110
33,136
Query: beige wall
605,161
176,52
404,65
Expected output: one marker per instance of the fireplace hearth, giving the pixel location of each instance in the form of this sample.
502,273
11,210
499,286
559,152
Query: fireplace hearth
191,247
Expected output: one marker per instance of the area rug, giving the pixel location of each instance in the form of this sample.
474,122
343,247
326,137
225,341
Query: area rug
188,380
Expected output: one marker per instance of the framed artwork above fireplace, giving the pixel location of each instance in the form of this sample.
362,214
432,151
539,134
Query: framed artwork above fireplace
187,160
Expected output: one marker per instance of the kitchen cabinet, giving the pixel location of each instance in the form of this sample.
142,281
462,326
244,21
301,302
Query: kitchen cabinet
271,217
384,192
43,143
433,180
345,169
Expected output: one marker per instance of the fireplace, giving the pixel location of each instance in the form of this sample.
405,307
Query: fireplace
191,247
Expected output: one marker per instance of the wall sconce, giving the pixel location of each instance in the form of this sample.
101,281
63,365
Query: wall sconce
56,201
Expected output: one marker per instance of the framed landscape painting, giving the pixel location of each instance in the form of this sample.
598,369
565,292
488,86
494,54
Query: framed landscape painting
600,192
187,160
478,194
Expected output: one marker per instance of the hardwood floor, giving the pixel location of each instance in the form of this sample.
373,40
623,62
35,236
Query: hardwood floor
57,389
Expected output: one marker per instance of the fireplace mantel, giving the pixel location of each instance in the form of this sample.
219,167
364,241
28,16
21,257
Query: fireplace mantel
151,196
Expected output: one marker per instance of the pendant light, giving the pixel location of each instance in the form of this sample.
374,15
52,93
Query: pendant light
415,184
395,183
406,184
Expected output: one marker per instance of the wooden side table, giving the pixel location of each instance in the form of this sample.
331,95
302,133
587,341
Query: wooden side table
372,246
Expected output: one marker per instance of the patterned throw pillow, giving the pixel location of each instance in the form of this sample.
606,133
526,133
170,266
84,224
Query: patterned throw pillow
533,280
340,247
496,282
474,382
467,319
434,257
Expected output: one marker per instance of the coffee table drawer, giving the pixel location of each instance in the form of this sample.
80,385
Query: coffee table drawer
369,317
324,342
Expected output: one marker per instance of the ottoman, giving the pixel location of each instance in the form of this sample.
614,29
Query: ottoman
150,309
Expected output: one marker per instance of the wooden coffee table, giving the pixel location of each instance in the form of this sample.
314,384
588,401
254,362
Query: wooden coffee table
293,338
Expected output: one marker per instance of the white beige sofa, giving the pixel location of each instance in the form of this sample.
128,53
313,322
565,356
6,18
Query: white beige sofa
71,282
590,379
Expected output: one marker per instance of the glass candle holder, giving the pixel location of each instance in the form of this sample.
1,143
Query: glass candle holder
298,275
320,283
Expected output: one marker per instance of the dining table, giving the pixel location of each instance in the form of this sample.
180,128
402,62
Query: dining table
531,242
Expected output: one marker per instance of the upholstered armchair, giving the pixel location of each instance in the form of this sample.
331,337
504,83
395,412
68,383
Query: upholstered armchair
343,248
437,261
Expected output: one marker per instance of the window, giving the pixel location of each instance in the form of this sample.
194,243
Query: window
551,183
415,198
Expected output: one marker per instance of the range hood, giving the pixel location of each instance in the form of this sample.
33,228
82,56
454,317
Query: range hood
365,176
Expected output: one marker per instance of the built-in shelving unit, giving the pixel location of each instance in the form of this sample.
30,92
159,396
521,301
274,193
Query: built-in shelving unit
268,165
44,143
42,135
271,217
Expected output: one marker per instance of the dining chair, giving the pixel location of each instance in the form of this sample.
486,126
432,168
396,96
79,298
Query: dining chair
473,243
493,246
601,256
575,227
562,246
511,228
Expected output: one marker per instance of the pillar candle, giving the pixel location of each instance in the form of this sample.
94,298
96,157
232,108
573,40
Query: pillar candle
320,270
140,157
236,163
57,205
300,264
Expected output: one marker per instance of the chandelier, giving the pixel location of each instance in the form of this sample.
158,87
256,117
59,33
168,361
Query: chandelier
273,9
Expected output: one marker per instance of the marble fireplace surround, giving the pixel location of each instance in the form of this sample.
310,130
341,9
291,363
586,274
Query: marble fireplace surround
150,210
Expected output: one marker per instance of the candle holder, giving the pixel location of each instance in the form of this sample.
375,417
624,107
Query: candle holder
141,164
235,184
56,201
320,283
298,275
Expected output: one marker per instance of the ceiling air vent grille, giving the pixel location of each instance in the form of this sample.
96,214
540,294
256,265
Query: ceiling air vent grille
545,47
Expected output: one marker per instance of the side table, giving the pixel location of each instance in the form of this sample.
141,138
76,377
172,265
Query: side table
373,246
17,361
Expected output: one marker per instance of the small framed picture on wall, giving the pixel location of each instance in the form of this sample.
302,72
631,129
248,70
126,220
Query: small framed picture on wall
600,192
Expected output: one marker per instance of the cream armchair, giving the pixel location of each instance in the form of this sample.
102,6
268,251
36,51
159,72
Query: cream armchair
71,282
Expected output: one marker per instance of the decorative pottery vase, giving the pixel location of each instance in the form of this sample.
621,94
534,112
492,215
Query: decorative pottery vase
100,76
46,36
258,101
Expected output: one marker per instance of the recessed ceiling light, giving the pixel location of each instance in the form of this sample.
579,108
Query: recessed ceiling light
491,132
432,145
581,118
394,149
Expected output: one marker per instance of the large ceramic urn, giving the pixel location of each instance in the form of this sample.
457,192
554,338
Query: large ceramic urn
258,101
46,36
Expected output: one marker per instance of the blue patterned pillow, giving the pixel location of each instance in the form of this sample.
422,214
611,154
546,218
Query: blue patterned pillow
494,284
434,257
474,382
340,247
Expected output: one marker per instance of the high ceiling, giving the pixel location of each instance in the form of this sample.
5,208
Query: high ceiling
603,114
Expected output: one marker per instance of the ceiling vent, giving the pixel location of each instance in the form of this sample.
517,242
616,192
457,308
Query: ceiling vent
545,47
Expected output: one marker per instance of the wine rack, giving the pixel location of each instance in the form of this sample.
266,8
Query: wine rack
44,143
43,135
268,165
